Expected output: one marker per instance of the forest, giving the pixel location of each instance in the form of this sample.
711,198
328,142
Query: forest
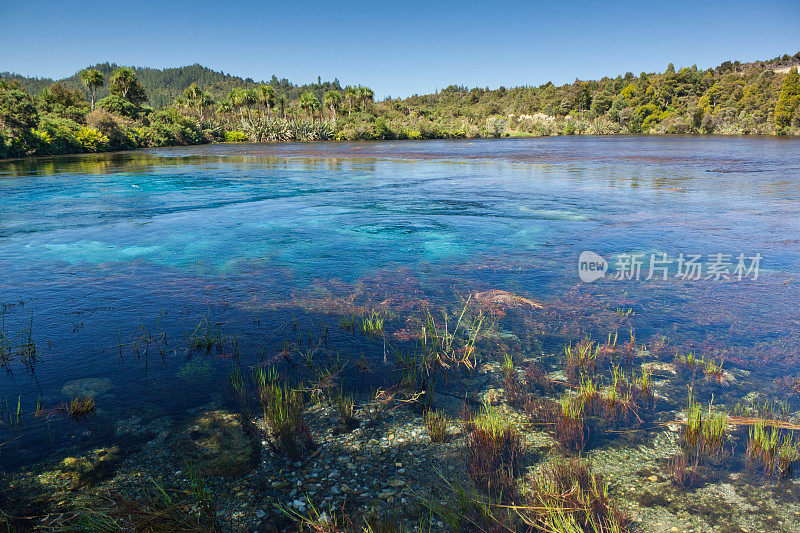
109,107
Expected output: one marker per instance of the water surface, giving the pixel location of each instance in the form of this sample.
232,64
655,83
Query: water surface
109,262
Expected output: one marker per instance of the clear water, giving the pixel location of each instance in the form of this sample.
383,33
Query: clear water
101,254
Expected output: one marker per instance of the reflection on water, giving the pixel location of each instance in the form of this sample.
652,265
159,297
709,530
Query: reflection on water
110,262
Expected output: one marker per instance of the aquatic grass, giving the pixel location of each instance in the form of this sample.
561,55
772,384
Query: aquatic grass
684,471
569,427
14,416
580,359
207,336
237,380
443,349
688,362
150,508
713,371
714,433
773,449
437,422
345,407
466,510
201,495
348,323
569,496
492,453
691,433
372,324
507,366
81,407
283,411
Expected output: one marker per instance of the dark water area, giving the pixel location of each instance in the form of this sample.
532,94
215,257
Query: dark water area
110,263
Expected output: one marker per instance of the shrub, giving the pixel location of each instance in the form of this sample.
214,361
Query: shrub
58,135
119,106
235,136
92,140
120,135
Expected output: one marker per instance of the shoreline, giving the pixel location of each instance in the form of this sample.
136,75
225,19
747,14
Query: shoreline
377,141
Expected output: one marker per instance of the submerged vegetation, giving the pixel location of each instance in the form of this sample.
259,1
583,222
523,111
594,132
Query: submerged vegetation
106,107
524,459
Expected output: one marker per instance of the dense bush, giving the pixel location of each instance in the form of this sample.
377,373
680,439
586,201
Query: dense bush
119,106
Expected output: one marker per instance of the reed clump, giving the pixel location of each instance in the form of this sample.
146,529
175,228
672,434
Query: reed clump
684,470
372,324
772,449
437,422
581,359
81,407
283,411
207,337
570,429
568,496
492,452
345,407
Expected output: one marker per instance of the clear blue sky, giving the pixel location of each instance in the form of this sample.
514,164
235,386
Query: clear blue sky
397,48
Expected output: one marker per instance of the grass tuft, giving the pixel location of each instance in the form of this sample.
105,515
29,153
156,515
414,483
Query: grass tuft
436,423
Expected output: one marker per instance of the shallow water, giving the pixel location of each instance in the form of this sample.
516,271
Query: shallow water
110,262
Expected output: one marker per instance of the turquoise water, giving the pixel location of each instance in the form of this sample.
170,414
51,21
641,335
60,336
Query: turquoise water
109,262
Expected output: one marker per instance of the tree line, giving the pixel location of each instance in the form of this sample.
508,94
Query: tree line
104,108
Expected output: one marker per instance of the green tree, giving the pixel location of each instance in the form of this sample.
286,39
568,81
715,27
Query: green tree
93,79
351,95
198,99
788,99
365,94
126,85
236,100
309,103
333,100
282,105
17,111
266,95
249,98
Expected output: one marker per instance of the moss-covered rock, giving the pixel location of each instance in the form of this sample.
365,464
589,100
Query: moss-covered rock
218,442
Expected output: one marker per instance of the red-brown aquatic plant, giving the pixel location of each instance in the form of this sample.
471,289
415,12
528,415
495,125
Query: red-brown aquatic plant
684,471
492,452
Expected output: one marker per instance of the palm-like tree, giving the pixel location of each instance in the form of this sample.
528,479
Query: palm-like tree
93,79
309,103
235,98
267,96
282,105
351,95
333,100
249,99
195,97
365,94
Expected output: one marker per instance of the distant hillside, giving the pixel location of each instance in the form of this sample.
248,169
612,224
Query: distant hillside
164,85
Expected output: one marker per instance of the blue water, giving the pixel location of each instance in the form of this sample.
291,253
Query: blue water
100,253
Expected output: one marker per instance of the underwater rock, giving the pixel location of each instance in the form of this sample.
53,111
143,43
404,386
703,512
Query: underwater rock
86,387
73,472
218,442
